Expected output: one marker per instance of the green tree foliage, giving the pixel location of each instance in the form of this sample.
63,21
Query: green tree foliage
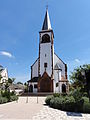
20,83
78,77
11,80
0,77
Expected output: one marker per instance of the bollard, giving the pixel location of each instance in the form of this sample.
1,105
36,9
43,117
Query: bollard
37,98
27,100
17,100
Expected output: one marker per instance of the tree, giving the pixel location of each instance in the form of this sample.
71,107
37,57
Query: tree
0,80
79,77
26,87
11,80
20,83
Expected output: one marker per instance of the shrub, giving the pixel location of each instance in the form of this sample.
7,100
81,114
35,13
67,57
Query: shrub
64,94
56,94
47,100
69,103
86,99
3,100
86,105
85,94
63,103
79,105
12,93
73,102
13,98
77,95
57,102
6,94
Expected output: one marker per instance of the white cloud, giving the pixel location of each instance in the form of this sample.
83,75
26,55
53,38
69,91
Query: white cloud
5,53
77,60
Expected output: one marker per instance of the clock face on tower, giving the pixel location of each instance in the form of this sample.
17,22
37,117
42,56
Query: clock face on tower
45,38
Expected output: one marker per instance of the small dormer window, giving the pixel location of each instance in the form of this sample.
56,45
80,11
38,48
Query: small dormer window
45,38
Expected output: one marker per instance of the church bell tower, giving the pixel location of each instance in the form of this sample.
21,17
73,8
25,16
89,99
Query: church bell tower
48,72
46,48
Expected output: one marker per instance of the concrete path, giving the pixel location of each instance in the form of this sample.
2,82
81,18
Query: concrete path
29,109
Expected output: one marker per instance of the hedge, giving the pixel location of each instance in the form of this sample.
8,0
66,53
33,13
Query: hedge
47,100
86,106
69,103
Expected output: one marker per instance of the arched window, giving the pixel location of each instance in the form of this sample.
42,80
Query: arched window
45,38
63,88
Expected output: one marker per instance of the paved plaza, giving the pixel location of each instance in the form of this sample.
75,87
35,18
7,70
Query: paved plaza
32,108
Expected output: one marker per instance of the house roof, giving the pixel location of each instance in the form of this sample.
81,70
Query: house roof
35,62
59,58
35,79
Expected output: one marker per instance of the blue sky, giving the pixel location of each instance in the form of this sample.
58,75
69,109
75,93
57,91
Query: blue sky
21,21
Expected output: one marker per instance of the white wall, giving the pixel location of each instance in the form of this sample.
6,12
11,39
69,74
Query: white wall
45,48
34,89
35,69
61,85
62,65
57,78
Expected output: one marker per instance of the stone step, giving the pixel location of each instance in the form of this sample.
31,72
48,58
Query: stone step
37,94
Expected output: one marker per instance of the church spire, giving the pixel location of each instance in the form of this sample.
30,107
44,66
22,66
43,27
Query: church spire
46,23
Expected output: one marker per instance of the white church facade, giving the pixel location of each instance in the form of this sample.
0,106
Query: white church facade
49,72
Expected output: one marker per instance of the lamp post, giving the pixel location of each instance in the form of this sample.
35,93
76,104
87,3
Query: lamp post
27,93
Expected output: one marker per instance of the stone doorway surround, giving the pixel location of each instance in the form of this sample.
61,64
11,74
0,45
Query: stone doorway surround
45,83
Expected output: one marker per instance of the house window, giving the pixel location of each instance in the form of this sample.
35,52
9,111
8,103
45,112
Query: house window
45,65
35,85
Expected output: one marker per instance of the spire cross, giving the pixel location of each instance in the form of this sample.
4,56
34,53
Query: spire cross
47,7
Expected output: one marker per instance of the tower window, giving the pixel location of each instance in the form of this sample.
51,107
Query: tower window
45,65
45,38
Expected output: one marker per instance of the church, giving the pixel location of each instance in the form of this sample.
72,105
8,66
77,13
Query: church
48,72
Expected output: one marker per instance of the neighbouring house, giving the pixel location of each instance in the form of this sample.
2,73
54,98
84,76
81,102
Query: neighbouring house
3,74
49,72
18,88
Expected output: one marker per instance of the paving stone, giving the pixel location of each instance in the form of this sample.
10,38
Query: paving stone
34,111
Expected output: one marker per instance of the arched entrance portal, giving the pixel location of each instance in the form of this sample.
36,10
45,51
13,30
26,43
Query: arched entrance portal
45,83
31,88
63,88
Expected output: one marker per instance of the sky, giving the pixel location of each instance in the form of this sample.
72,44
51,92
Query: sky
21,21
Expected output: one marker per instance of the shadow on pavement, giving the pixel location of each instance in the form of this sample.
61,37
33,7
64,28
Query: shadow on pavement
74,114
